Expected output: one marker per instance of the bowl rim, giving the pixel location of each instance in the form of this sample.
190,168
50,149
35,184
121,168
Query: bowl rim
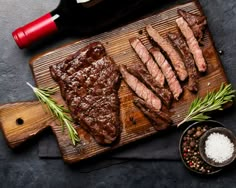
222,130
217,124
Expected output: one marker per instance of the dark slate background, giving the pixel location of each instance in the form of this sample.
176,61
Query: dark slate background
144,164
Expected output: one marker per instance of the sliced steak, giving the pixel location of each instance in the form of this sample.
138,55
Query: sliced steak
140,89
192,44
89,82
172,81
175,58
159,120
180,43
143,75
196,22
146,58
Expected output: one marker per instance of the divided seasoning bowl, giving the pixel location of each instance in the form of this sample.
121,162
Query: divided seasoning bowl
189,147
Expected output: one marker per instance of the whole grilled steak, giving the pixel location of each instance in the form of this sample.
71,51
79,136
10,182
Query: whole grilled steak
89,82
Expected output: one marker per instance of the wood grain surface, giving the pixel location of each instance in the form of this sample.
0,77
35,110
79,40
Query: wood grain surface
118,47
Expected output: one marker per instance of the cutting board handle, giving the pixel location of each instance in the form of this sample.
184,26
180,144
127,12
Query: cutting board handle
23,120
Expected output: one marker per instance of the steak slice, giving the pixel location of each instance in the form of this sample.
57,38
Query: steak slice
147,60
89,82
140,89
196,22
143,75
192,44
175,58
180,43
159,120
172,81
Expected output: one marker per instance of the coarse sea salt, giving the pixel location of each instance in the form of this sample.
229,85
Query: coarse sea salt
218,147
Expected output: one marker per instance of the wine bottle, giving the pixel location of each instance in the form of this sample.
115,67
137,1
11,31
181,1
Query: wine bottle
75,17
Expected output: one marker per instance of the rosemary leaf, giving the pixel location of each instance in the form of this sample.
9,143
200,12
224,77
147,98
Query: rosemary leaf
211,102
58,111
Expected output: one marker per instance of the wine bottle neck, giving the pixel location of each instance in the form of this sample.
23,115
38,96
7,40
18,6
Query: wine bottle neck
39,28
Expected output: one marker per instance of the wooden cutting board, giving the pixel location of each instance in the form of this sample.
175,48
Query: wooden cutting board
21,121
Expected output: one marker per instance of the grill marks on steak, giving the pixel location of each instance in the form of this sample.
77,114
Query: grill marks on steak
89,82
78,60
140,89
159,120
139,71
180,43
172,81
101,104
147,60
196,22
192,44
175,58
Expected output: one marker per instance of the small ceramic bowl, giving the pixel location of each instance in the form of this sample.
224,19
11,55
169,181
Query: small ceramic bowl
223,131
209,124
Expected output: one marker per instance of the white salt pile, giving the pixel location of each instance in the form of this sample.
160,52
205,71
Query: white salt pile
218,147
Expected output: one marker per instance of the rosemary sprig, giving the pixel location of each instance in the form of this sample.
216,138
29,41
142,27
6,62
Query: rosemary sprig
212,101
58,111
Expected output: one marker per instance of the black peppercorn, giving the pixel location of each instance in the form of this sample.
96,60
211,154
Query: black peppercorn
190,150
140,32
